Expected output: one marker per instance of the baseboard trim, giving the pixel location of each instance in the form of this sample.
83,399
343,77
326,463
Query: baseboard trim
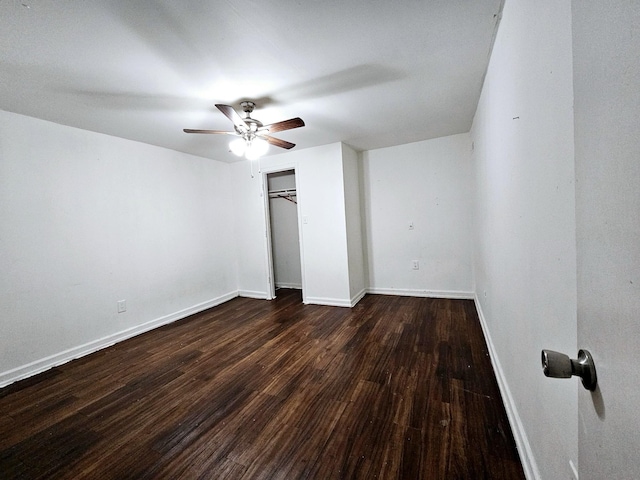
405,292
357,297
527,459
330,302
57,359
253,294
296,286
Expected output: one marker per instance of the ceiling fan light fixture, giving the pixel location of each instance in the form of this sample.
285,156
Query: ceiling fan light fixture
254,137
256,148
238,146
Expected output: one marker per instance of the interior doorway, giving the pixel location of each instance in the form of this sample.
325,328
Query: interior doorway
283,235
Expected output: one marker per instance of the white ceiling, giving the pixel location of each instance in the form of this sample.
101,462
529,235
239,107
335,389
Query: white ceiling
370,73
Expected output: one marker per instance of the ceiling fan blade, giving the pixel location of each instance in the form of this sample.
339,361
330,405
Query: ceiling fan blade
194,130
232,115
285,125
278,142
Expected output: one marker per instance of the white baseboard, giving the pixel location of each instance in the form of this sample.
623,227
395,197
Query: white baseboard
529,464
405,292
296,286
253,294
65,356
357,297
331,302
334,302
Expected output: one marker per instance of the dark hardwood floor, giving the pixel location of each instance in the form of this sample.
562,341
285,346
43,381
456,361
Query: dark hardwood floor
395,388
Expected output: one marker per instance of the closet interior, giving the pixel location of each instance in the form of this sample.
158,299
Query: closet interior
285,237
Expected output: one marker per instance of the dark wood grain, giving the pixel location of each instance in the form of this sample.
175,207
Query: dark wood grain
285,125
394,388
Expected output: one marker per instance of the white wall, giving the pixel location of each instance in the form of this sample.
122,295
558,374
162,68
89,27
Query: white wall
607,138
323,234
428,184
249,231
87,220
525,261
321,200
353,217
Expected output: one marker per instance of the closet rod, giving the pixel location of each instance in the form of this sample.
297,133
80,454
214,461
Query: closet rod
283,191
286,193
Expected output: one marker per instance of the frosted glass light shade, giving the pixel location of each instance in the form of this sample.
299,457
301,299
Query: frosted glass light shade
238,146
257,148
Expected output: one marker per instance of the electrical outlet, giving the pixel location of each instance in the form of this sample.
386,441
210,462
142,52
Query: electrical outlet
122,306
415,265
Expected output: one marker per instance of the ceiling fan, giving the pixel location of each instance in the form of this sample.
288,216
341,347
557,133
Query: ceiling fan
254,136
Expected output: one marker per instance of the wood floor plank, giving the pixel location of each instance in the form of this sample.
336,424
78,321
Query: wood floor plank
394,388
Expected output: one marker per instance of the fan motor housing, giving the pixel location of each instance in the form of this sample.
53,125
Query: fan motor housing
247,107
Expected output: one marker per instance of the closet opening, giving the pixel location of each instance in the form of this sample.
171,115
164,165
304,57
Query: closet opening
283,235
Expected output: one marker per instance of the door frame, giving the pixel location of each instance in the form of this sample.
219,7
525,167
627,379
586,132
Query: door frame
271,281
